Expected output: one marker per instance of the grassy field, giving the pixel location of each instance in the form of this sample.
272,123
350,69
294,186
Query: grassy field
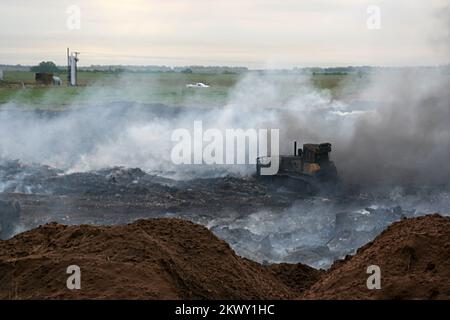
167,88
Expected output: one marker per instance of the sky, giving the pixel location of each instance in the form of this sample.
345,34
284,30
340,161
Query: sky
252,33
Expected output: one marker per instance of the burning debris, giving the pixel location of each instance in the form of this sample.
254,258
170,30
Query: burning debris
263,221
314,231
9,218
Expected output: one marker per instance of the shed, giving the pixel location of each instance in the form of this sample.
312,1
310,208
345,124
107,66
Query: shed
44,78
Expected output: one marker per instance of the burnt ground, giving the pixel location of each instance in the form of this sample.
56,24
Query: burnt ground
116,195
264,222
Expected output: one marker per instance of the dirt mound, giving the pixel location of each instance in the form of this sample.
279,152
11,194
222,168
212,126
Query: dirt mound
149,259
176,259
297,277
414,259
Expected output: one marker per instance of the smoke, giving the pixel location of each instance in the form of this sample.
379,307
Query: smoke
440,38
406,140
396,131
390,132
97,131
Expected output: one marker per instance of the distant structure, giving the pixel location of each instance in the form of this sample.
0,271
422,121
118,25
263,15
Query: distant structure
44,78
57,81
47,78
197,85
72,60
1,74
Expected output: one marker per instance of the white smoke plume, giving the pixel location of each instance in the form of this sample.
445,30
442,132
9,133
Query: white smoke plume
396,131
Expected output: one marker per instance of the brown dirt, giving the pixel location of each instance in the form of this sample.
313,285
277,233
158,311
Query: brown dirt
414,258
176,259
148,259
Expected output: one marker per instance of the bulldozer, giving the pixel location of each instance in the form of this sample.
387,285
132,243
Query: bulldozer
309,168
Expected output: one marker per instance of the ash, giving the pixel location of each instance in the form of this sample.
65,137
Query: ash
260,221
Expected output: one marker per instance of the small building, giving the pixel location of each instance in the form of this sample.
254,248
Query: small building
1,74
44,78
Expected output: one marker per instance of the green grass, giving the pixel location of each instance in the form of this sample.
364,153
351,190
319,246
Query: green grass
166,88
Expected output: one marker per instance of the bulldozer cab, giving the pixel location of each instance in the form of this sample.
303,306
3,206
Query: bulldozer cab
316,153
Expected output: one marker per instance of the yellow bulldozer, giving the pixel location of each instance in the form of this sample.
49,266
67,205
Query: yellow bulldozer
309,167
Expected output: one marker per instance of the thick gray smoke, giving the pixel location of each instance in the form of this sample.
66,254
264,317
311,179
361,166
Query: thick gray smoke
396,131
406,139
441,36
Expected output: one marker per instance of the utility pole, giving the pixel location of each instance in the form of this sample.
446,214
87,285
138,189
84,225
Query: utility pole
68,68
72,60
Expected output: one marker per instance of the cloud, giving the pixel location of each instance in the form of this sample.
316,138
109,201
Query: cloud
250,33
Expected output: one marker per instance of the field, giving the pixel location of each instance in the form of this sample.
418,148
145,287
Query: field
167,88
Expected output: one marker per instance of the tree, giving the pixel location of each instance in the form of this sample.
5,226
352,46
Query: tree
46,66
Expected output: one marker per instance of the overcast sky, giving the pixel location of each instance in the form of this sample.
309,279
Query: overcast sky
253,33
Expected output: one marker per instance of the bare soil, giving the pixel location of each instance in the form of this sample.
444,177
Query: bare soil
177,259
414,258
